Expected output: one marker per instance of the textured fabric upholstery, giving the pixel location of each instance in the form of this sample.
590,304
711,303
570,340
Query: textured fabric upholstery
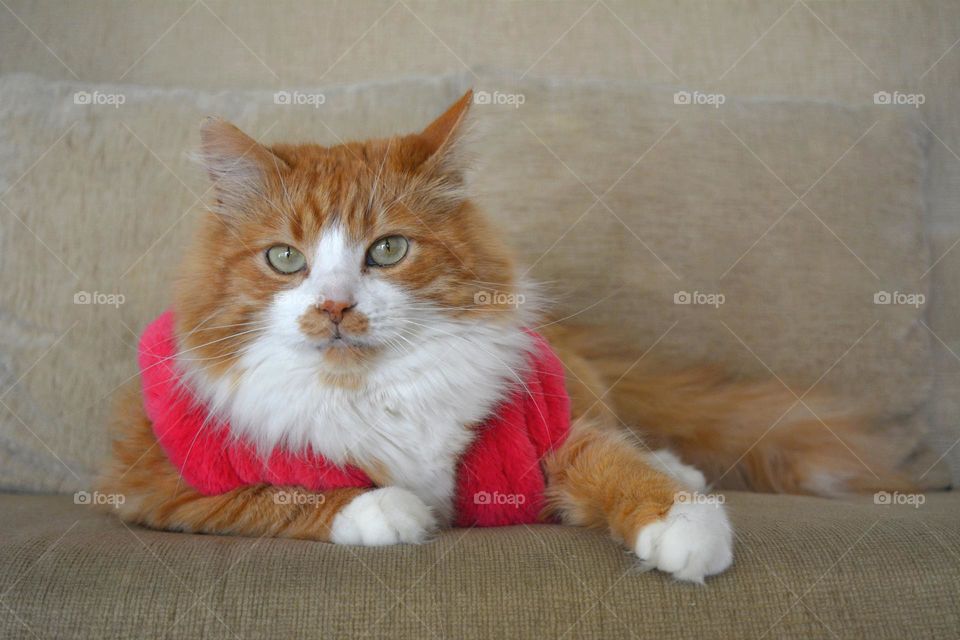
805,568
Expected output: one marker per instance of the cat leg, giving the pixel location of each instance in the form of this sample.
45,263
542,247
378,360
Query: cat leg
378,517
598,478
687,475
156,496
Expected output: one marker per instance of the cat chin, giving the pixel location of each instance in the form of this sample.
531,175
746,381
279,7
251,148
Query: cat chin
343,344
347,354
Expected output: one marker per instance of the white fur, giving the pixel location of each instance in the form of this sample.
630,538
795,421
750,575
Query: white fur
382,517
827,483
335,269
414,411
668,462
693,541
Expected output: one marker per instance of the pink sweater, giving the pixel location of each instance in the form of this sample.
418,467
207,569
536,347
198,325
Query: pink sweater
499,479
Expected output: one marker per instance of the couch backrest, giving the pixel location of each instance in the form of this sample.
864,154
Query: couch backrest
764,234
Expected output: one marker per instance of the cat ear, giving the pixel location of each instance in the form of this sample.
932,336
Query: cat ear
443,134
440,148
239,166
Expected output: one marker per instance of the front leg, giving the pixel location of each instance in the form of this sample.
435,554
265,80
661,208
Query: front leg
368,517
427,473
432,481
156,496
597,478
385,516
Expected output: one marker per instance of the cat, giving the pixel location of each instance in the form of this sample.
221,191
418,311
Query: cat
329,304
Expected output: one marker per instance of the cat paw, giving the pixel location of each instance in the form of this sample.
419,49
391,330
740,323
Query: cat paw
668,462
390,515
693,541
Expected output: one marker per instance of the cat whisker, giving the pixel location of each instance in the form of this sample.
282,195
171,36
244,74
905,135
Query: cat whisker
376,180
183,351
207,419
262,323
229,337
517,377
283,185
494,387
217,357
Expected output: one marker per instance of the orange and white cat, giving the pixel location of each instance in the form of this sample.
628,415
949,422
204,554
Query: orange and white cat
331,288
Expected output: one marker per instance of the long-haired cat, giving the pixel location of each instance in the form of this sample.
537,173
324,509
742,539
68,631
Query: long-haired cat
328,303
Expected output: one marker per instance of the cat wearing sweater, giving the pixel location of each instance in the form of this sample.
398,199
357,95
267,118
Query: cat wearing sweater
334,368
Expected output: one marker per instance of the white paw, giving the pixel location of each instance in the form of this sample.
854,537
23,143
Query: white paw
693,541
390,515
668,462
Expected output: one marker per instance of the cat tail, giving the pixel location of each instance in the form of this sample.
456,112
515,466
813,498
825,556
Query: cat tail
761,436
744,434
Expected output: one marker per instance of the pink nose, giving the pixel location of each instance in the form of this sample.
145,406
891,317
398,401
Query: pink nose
336,308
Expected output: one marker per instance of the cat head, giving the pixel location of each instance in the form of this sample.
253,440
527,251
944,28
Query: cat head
346,256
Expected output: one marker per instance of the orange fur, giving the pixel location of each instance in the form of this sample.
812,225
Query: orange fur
157,496
598,478
742,434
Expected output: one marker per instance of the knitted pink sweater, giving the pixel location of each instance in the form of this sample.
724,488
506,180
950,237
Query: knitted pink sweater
499,479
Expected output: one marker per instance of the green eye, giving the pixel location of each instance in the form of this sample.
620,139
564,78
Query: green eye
285,258
387,251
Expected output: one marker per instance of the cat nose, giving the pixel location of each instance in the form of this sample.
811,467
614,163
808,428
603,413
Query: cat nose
336,308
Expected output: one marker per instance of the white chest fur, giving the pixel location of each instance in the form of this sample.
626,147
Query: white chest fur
411,418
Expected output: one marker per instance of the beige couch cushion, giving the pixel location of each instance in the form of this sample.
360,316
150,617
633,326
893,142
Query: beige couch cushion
691,199
805,568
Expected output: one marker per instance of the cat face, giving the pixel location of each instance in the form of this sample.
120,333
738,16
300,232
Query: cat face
344,256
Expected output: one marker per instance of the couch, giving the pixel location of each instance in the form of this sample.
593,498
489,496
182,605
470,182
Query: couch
796,159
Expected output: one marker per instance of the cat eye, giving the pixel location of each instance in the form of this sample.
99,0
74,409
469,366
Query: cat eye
285,259
387,251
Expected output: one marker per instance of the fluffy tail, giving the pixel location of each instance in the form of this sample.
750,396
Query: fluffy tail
751,435
758,435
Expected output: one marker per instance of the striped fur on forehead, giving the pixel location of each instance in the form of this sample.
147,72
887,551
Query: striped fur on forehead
363,187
